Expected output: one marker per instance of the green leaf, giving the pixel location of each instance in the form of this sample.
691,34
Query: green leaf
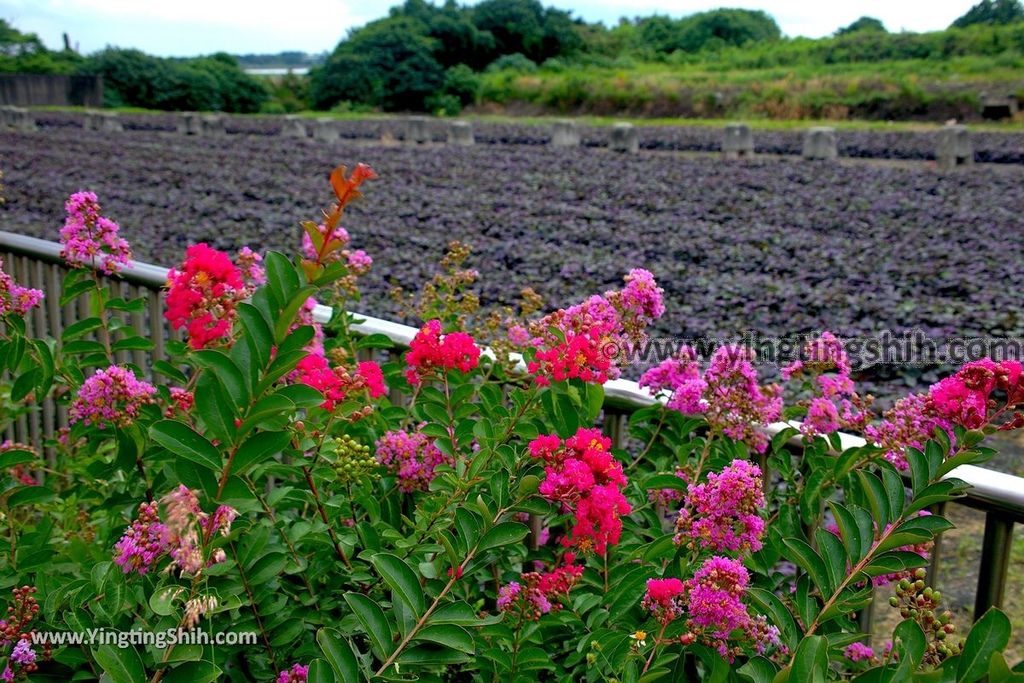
258,448
448,635
402,580
810,661
287,316
339,654
877,498
215,408
758,670
319,672
26,382
123,665
832,551
665,481
16,456
375,341
856,545
989,634
193,672
180,439
79,328
133,343
162,600
502,534
220,364
773,608
910,639
372,617
30,495
809,560
258,332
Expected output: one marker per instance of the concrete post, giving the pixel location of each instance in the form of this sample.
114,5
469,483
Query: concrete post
953,147
564,133
416,129
17,118
738,141
325,130
460,133
624,138
212,124
188,123
103,122
294,127
820,144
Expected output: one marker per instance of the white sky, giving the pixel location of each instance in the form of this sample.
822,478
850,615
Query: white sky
189,27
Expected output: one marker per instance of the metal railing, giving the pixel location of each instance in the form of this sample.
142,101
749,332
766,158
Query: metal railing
37,263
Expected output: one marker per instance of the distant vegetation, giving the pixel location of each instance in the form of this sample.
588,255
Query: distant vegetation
521,57
134,79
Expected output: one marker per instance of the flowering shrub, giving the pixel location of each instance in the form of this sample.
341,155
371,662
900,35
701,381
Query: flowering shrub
454,512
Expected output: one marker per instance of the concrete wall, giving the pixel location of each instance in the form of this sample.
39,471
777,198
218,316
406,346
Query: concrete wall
33,90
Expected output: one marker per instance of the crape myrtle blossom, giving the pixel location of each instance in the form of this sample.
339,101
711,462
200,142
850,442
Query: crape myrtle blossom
337,383
583,341
585,478
723,513
298,673
431,351
202,295
661,599
187,528
834,404
727,395
538,593
910,423
966,397
143,543
412,457
14,298
112,396
89,240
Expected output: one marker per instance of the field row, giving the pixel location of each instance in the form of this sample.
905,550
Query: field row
989,146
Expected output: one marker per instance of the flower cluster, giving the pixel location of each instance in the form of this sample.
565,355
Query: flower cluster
583,341
910,423
412,456
143,543
14,298
584,476
90,240
538,593
834,404
728,393
662,599
250,263
859,652
298,673
964,398
114,396
430,351
336,383
715,610
16,634
188,528
724,512
202,295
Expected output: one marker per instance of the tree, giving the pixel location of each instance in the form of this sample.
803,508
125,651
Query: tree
863,24
388,63
526,27
992,12
726,27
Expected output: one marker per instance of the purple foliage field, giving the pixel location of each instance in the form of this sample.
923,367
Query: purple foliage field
778,245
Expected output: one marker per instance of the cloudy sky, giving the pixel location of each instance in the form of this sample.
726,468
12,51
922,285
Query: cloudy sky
189,27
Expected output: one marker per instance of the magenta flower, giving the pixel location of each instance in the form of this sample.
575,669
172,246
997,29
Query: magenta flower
88,240
143,543
412,456
113,396
14,298
724,513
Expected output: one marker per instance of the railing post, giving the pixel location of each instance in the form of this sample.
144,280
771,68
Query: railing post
995,560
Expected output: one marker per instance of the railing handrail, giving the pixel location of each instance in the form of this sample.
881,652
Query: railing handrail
996,489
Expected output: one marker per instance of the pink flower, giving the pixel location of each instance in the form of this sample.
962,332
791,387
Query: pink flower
143,542
251,265
859,652
518,335
340,238
724,513
662,599
202,295
508,593
88,240
112,396
910,423
586,479
23,653
359,262
298,673
15,298
540,593
822,417
412,456
430,351
372,375
714,601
